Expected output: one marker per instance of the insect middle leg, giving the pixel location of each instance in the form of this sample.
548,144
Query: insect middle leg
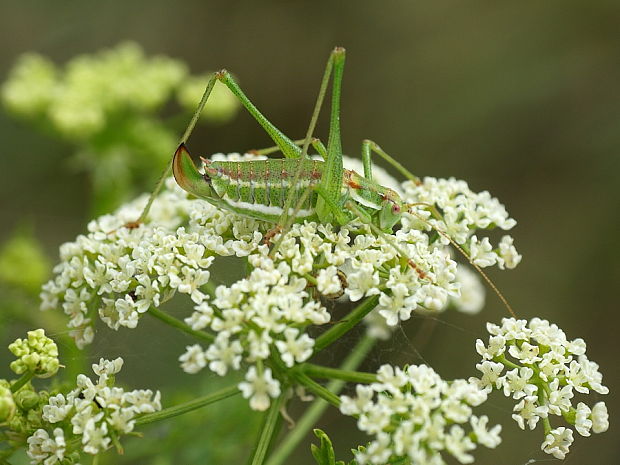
369,146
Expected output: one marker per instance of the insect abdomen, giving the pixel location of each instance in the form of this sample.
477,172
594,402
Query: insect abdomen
260,188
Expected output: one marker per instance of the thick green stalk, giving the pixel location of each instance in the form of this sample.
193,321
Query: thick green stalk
22,381
268,429
338,330
175,323
316,388
318,371
188,406
308,420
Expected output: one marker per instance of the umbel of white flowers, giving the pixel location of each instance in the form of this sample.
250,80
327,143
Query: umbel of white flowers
414,414
535,364
116,274
94,412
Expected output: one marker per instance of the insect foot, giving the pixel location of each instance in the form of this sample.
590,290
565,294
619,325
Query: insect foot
269,235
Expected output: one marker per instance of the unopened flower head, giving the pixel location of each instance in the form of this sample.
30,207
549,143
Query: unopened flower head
538,366
7,403
37,354
117,274
414,414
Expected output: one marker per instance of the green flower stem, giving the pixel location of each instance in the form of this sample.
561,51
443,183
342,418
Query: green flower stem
188,406
315,411
23,380
338,330
546,425
318,371
268,429
175,323
311,279
507,363
316,388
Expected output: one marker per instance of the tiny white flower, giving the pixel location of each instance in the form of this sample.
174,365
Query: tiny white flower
583,423
44,449
223,354
559,398
557,442
295,349
193,360
458,444
528,410
497,346
508,254
515,382
57,409
328,282
600,418
489,438
491,372
481,252
259,388
525,352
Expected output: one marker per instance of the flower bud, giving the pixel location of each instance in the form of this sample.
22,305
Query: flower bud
27,399
7,404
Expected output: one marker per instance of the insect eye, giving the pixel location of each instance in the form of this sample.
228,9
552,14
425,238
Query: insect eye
395,208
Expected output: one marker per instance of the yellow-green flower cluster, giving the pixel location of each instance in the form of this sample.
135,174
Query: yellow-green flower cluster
79,99
7,403
37,354
109,104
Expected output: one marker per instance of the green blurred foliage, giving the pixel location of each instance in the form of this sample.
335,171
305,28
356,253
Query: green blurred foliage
23,263
109,106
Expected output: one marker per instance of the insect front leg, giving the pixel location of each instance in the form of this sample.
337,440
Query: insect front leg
166,173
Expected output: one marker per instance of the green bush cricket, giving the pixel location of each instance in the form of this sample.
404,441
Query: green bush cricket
298,188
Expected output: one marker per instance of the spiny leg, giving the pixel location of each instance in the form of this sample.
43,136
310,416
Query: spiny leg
287,146
369,146
366,161
334,56
286,220
166,173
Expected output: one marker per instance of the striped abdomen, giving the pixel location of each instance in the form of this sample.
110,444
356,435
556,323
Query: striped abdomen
261,188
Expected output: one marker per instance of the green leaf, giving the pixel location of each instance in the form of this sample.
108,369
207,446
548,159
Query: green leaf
324,455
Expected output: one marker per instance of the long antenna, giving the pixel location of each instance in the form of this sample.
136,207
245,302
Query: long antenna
462,251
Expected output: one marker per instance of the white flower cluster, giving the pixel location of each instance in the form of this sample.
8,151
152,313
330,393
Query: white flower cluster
462,212
414,414
45,449
535,364
119,273
96,412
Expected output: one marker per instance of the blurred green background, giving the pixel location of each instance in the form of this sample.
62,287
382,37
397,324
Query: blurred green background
518,98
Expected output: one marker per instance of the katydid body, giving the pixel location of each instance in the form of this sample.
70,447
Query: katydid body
260,189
